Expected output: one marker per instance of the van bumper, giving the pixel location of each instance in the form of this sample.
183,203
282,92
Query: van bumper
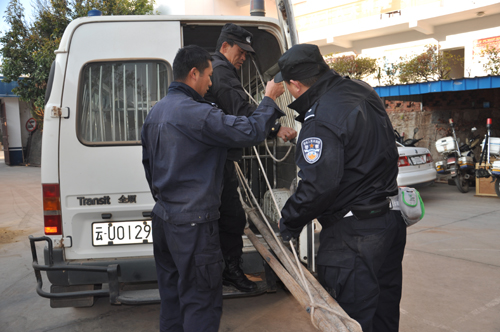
72,283
113,272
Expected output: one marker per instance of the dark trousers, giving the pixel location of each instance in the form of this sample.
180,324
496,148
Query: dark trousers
189,266
232,216
359,264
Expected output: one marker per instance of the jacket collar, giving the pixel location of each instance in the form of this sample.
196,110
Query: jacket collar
222,57
311,96
185,89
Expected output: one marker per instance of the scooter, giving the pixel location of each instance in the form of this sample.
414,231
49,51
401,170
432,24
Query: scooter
491,147
458,161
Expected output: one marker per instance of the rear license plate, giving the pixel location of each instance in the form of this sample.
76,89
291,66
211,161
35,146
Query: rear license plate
123,232
418,160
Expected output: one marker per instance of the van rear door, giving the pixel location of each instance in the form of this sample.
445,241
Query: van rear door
112,80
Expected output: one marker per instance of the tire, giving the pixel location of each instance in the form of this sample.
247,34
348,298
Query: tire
461,182
497,186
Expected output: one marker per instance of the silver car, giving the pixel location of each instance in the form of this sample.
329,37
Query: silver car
416,167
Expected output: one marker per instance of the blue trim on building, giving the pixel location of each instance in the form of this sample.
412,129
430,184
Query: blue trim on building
6,88
463,84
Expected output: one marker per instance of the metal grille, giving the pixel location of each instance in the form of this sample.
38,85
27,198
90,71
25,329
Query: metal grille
254,85
115,98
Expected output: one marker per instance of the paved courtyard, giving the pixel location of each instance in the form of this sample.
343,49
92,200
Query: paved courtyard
451,272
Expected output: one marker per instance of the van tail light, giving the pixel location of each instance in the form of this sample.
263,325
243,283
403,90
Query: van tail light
428,158
403,161
52,209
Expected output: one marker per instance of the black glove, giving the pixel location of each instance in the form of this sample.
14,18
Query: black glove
285,233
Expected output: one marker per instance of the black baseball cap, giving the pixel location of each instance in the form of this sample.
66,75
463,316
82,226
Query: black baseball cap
240,36
300,62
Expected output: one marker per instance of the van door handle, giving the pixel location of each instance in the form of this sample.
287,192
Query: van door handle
60,112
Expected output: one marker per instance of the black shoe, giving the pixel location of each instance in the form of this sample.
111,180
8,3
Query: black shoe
233,276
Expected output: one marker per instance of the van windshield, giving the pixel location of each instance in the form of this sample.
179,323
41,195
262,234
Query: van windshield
115,98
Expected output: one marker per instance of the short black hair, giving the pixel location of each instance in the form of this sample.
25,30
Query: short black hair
221,41
189,57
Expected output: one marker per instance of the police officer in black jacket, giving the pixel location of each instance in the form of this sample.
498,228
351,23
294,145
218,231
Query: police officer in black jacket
348,167
233,46
185,141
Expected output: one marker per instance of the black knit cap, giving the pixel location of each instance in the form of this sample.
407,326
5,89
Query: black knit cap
300,62
240,36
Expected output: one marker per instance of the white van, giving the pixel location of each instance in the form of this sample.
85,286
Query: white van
108,72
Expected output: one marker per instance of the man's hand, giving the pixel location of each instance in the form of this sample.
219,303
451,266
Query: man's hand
286,134
274,90
285,234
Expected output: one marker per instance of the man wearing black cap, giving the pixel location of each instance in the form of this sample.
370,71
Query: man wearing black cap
348,167
232,47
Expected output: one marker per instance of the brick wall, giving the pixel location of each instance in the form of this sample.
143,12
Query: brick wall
467,108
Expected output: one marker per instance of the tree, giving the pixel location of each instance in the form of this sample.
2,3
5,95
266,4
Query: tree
28,49
492,54
353,66
431,65
17,50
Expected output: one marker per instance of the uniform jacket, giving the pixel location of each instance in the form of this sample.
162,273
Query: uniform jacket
346,151
226,90
185,141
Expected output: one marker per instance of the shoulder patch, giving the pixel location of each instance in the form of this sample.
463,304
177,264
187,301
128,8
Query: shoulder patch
311,113
311,149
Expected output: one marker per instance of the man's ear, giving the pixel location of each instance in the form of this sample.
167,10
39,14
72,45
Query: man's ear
296,85
224,47
194,73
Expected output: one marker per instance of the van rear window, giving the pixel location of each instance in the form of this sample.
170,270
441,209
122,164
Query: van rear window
115,98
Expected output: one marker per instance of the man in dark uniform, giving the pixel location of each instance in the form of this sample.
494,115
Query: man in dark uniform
348,167
226,91
185,141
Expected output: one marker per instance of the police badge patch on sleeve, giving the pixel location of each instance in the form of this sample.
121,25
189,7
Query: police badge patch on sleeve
311,149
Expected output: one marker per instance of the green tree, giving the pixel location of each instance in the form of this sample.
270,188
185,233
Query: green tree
433,64
17,50
354,66
28,49
492,64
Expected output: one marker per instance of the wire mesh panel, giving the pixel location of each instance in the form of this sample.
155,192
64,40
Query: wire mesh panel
254,86
115,98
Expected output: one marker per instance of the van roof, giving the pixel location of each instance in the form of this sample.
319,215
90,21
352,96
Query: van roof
192,19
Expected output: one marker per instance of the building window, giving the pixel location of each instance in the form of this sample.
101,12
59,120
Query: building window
115,98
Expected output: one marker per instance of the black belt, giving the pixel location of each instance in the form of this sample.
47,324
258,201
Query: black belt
370,211
359,211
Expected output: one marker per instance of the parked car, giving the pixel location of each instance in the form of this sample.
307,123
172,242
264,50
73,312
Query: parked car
416,167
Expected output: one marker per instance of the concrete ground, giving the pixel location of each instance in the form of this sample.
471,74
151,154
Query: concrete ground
451,272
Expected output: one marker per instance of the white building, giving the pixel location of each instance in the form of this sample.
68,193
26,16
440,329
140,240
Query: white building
394,28
14,131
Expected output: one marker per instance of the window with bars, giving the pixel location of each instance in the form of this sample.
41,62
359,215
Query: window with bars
115,98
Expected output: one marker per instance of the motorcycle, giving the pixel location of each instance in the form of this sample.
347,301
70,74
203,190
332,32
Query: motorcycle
409,141
490,147
458,160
